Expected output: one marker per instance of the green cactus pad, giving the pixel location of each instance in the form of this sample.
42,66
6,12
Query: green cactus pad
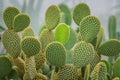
8,16
107,64
87,72
40,59
13,75
110,48
30,69
68,72
80,11
52,17
67,13
11,42
46,37
62,33
21,21
27,32
99,72
83,53
89,28
5,66
72,39
116,68
94,62
56,54
30,46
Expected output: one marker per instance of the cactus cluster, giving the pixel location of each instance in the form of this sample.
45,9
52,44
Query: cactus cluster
59,52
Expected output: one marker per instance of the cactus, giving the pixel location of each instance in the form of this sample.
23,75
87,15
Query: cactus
62,33
83,53
27,32
99,72
56,54
8,16
5,66
33,48
116,68
87,72
80,11
21,21
52,17
89,28
46,37
68,72
110,48
11,42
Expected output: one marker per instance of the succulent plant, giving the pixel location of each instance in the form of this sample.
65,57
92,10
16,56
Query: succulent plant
56,54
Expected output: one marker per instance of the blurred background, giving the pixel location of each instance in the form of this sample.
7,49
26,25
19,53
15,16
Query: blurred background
36,10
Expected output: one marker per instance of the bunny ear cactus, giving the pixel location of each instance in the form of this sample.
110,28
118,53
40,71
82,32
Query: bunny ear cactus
11,42
99,72
110,48
68,72
62,33
116,68
89,28
80,11
27,32
66,13
52,17
33,48
83,53
46,37
5,66
21,21
56,54
87,72
8,16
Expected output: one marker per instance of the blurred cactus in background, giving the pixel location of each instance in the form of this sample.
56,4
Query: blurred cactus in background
59,52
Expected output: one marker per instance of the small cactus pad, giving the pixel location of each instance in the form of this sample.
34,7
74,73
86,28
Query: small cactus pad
30,46
40,59
67,13
21,21
83,53
52,17
89,28
56,54
99,72
5,66
27,32
40,76
68,72
30,69
116,68
46,37
80,11
8,16
87,72
110,48
11,42
62,33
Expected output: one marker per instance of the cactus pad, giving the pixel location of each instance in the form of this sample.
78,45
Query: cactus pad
89,28
56,54
11,42
30,46
27,32
80,11
62,33
83,53
5,66
99,72
21,21
52,17
68,72
8,16
110,48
